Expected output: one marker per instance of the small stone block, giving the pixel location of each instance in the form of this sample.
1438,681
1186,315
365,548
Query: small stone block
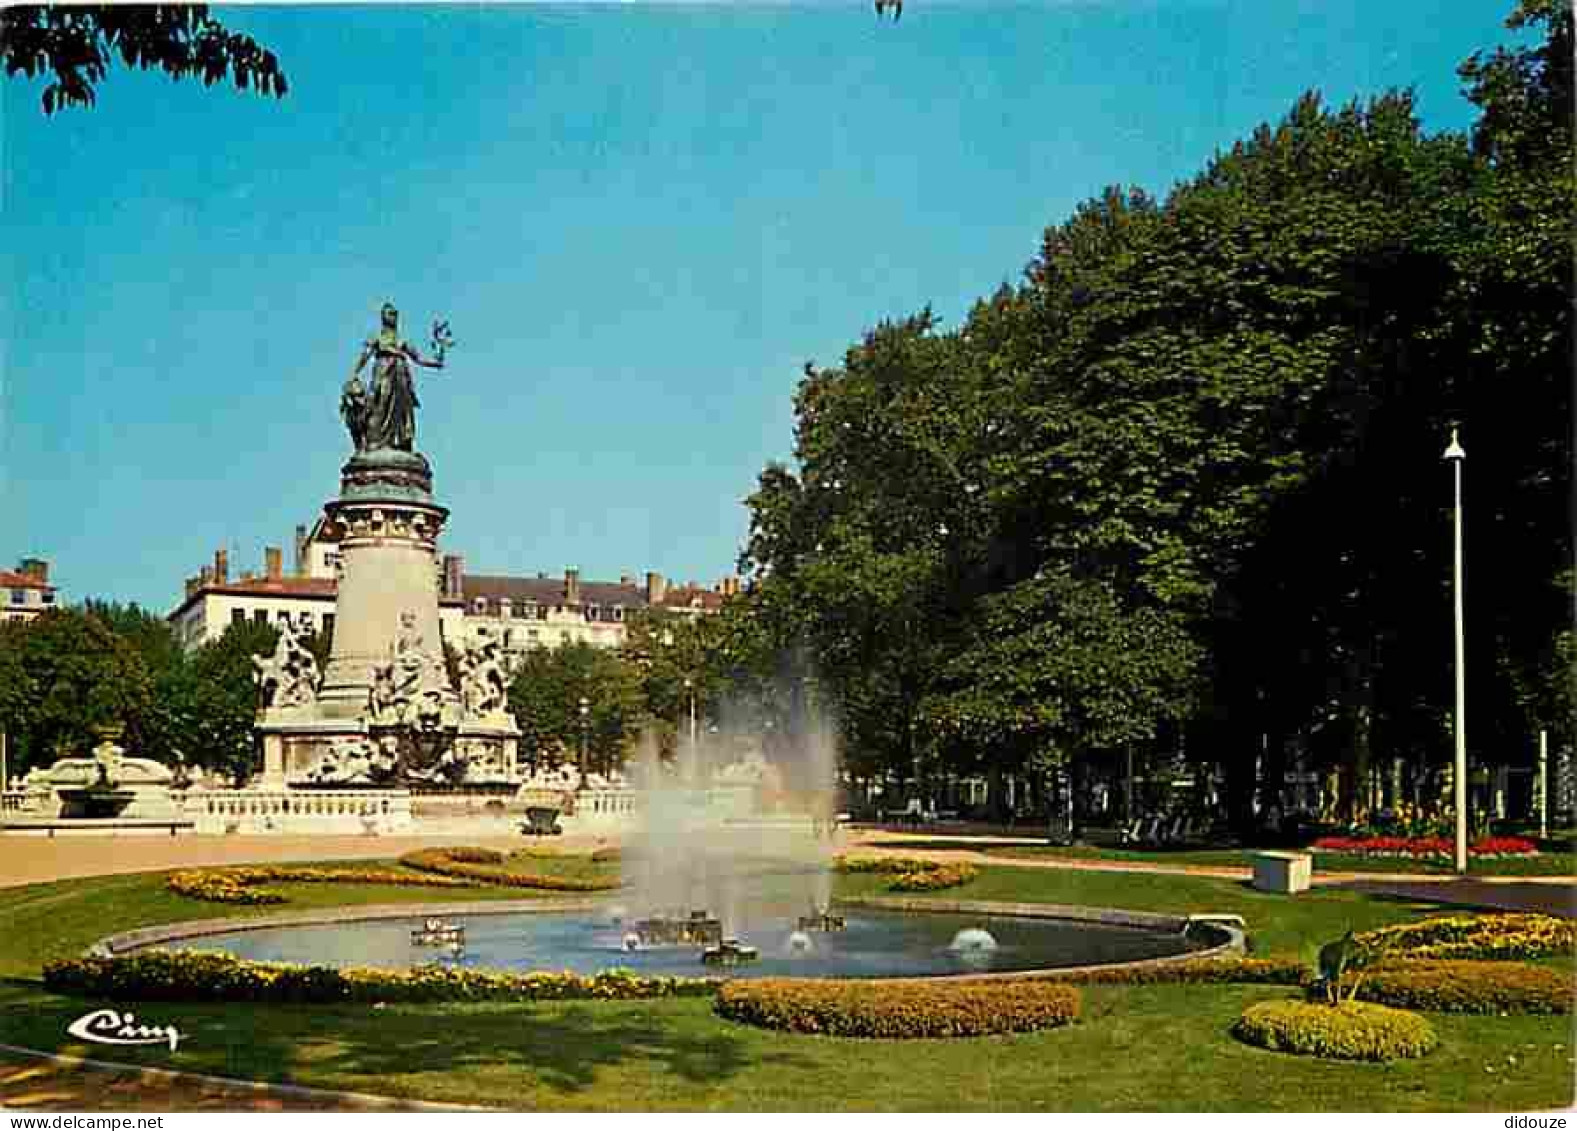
1285,873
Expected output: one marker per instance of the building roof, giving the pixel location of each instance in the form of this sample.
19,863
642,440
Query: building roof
10,579
308,588
692,597
547,591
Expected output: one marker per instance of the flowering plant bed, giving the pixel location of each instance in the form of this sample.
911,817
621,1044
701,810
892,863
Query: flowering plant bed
1468,986
909,874
898,1009
1424,847
1353,1030
483,865
1510,936
244,885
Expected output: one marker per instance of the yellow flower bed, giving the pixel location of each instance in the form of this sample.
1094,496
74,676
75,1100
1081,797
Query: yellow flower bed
244,885
1467,986
898,1009
195,976
486,866
910,874
1353,1030
1514,936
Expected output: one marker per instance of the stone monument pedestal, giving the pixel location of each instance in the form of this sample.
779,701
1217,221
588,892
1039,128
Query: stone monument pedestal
385,712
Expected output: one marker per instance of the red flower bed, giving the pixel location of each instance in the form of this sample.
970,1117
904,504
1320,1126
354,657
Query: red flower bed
1423,846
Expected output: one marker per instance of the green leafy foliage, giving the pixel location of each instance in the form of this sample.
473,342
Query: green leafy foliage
75,45
545,693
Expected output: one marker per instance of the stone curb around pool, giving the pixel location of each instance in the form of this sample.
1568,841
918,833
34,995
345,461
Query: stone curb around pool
125,942
256,1088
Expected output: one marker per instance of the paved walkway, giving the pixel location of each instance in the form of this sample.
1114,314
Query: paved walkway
35,859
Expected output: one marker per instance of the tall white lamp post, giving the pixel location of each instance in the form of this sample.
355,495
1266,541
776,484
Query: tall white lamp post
1455,455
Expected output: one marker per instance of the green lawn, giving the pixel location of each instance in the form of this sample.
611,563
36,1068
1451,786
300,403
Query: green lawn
1159,1048
1544,864
1137,1048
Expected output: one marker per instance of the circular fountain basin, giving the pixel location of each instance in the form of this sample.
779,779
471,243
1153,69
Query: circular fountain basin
873,944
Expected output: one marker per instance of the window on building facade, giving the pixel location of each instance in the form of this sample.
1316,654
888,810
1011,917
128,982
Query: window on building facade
505,608
479,605
48,598
237,616
328,625
507,634
618,612
19,596
260,616
593,612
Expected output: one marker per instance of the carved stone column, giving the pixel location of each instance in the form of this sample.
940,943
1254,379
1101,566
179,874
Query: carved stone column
388,526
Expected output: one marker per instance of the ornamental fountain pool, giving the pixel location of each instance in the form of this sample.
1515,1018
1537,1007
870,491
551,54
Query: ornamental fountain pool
716,886
872,944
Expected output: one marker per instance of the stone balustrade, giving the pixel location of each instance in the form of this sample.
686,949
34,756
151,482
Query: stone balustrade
299,811
14,801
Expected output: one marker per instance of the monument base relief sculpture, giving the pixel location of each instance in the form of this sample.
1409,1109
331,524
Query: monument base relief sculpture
383,711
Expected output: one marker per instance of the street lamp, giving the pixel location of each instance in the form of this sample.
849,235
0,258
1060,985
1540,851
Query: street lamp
689,688
585,722
1455,455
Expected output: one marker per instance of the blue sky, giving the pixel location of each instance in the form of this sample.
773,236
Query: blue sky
639,220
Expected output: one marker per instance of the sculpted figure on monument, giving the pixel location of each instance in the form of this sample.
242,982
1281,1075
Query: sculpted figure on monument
384,416
482,683
288,678
414,678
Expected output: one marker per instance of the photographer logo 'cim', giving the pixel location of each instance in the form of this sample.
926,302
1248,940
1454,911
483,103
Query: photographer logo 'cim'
109,1027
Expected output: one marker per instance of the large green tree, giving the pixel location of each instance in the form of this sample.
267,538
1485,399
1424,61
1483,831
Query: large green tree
545,694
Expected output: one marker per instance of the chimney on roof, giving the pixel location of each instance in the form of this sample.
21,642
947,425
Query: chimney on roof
205,575
454,567
572,586
36,568
656,588
273,563
541,575
301,550
626,580
193,584
221,566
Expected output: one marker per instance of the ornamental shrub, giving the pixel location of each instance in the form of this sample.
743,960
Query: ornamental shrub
445,862
1511,936
1353,1030
1467,986
194,976
897,1010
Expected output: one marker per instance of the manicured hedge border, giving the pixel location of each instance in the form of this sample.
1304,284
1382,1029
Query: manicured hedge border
899,1010
486,866
1466,986
196,976
1351,1031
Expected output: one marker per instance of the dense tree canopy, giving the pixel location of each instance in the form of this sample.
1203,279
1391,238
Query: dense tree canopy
1185,481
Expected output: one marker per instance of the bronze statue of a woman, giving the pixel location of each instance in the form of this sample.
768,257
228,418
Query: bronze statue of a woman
384,416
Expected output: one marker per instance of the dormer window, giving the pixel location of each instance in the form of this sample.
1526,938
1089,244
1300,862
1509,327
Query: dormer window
505,608
479,606
593,612
618,612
